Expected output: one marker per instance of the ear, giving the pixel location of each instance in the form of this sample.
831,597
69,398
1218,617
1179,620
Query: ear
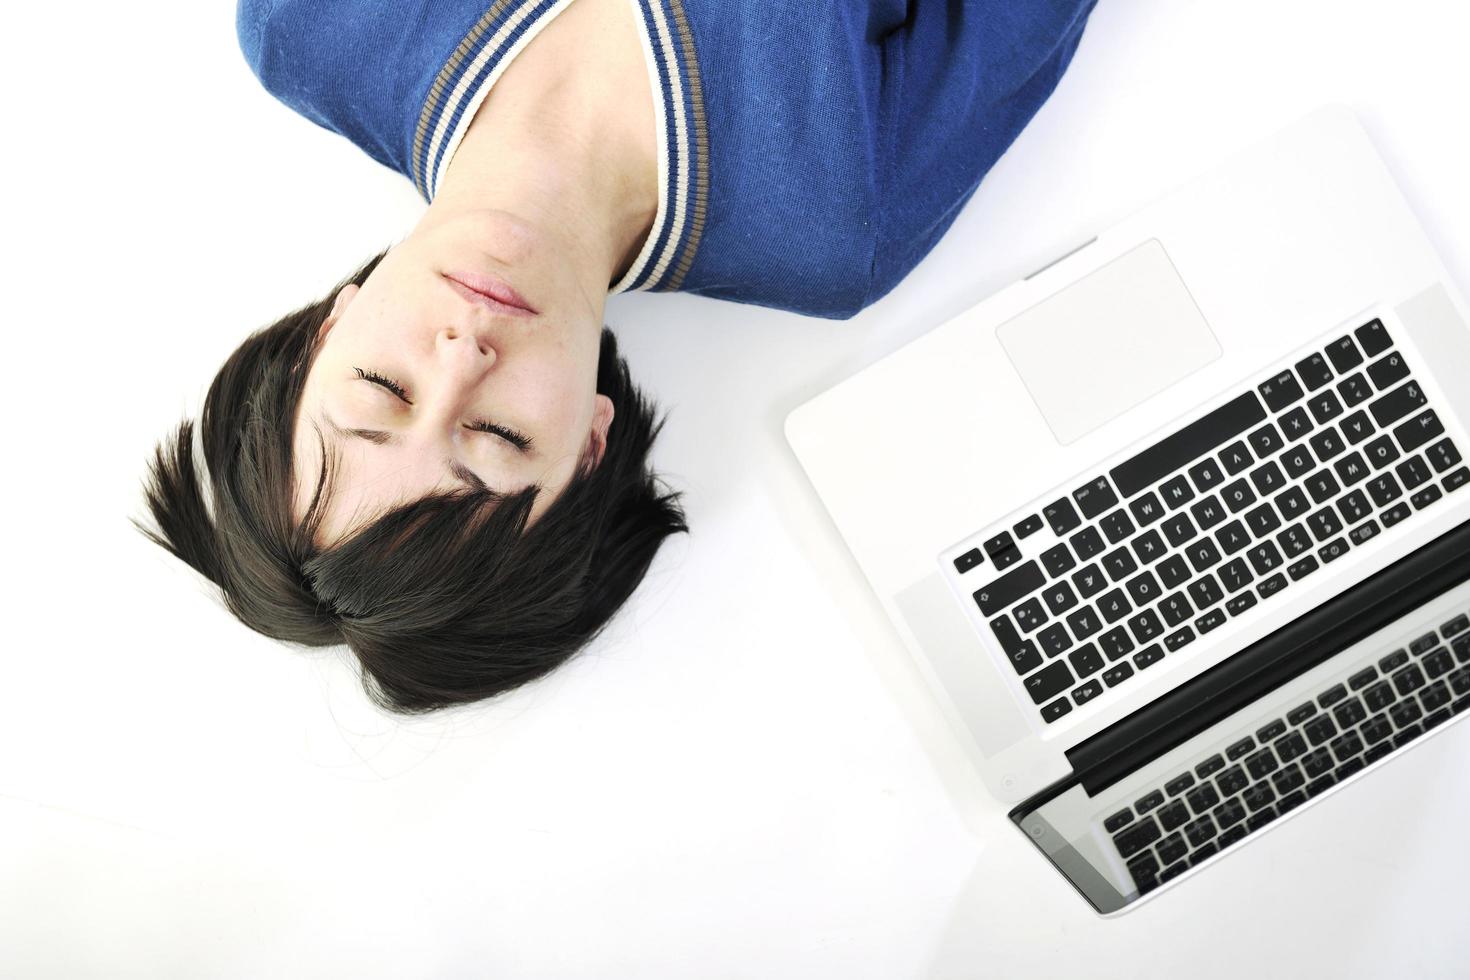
602,416
339,305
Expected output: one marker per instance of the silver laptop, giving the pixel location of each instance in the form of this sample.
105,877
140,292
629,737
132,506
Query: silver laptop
1178,527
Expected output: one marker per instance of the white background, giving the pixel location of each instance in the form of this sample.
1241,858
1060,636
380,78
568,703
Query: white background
744,777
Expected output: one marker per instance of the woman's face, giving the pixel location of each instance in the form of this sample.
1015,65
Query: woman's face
424,383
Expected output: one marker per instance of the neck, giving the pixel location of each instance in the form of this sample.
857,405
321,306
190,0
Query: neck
570,152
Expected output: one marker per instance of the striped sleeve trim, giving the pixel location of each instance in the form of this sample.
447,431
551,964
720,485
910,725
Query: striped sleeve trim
683,139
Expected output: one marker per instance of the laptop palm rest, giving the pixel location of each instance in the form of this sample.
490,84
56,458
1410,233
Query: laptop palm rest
1108,342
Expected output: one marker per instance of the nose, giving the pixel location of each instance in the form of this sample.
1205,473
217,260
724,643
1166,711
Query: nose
461,343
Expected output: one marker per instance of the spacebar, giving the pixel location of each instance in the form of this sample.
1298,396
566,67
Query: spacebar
1189,443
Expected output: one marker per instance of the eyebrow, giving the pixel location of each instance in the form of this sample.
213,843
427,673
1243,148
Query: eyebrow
380,438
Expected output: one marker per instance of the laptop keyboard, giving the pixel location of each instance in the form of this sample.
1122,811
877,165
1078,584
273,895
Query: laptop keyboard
1215,519
1379,707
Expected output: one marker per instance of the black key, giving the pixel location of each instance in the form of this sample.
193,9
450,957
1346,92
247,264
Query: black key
1149,801
1030,615
1116,526
1351,469
968,560
1375,753
1363,678
1349,713
1171,849
1380,694
1232,781
1413,471
1057,560
1179,784
1344,354
1418,430
1397,403
1172,817
1114,606
1211,620
1301,713
1028,526
1179,529
1461,646
1236,457
1095,497
1120,564
1327,444
1346,746
1354,507
1323,486
1205,591
1336,694
1408,680
1460,624
1129,842
1173,871
1235,575
1303,568
1178,450
1298,461
1290,802
1206,474
1281,391
1314,371
1083,623
1320,785
1388,370
1292,503
1381,451
1425,497
1056,710
1173,571
1177,492
1296,424
1117,674
1264,557
1384,489
1295,540
1233,537
1395,514
1059,597
1179,639
1146,626
1008,588
1258,797
1267,479
1210,766
1176,609
1146,509
1261,764
1457,479
1048,682
1238,496
1265,441
1087,543
1228,814
1354,390
1364,533
1086,660
1319,729
1291,746
1089,581
1116,643
1442,455
1118,820
1208,512
1271,585
1357,427
1373,337
1203,798
1324,406
1086,692
1318,762
1054,640
1240,749
1290,778
1332,550
1393,661
1149,547
1062,517
1148,656
1324,523
1000,543
1143,588
1433,697
1200,832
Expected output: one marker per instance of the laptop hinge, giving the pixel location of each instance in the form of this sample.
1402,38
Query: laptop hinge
1127,745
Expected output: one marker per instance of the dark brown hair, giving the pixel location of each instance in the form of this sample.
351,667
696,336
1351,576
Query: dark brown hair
444,600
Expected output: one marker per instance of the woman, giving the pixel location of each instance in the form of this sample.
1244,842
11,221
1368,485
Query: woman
443,464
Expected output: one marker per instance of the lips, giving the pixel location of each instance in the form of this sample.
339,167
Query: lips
488,291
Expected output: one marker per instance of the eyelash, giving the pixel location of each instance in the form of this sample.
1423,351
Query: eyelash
511,436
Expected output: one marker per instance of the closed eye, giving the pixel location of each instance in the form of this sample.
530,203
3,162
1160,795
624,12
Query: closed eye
519,440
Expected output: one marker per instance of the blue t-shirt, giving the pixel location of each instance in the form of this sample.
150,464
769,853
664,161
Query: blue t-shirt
810,153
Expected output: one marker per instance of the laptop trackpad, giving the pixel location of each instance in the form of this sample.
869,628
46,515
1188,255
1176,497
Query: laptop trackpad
1108,342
